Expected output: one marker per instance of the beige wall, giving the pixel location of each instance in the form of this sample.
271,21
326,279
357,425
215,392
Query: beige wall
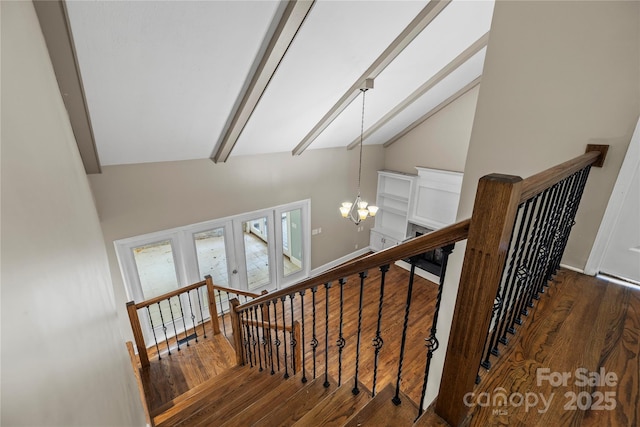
546,94
558,75
143,198
64,361
440,142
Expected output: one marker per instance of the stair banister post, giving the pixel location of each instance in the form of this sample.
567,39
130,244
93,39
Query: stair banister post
494,214
213,310
137,334
237,331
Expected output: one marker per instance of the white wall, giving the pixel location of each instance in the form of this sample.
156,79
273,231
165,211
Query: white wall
64,362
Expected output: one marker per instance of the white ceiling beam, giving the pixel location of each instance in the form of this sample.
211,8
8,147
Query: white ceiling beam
434,110
54,23
420,22
476,47
293,16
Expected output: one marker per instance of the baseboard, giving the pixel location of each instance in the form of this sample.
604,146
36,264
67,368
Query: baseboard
578,270
341,260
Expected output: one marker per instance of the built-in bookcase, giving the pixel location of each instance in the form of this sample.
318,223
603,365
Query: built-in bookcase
394,198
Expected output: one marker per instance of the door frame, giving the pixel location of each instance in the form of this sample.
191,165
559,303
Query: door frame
620,190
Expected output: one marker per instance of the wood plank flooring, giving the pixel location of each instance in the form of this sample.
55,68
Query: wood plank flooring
580,323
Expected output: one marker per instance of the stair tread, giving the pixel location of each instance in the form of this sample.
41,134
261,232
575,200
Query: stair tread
210,391
336,408
265,403
295,407
382,412
430,419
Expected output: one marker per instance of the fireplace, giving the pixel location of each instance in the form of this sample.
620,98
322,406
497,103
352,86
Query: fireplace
429,261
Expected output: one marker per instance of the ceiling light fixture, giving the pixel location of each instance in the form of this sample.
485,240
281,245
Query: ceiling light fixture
358,210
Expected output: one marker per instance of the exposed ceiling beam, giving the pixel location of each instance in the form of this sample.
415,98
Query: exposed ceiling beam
54,23
434,110
428,85
419,23
292,18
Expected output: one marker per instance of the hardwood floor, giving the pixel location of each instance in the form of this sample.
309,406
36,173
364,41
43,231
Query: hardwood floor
580,323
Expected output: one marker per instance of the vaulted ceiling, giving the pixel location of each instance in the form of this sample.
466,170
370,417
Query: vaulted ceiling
162,81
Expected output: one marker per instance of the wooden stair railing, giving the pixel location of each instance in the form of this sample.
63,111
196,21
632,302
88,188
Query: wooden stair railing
488,290
498,208
187,314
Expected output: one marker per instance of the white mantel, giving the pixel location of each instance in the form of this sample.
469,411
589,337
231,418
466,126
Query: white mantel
436,198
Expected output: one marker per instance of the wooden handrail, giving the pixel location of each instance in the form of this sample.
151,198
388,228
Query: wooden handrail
427,242
236,291
536,184
171,294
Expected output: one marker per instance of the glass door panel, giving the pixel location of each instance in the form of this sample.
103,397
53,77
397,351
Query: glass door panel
157,274
292,241
211,252
255,236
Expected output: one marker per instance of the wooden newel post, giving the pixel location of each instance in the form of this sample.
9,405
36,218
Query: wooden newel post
213,310
493,220
237,331
137,334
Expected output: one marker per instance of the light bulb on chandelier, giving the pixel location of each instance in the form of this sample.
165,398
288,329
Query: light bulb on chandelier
359,210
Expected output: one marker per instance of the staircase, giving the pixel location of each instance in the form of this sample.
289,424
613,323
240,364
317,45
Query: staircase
244,396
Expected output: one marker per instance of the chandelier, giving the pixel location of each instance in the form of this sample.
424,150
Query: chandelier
359,210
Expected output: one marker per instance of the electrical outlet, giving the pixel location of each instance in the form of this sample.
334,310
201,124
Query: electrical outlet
356,246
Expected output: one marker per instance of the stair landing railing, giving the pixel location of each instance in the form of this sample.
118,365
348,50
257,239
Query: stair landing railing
490,264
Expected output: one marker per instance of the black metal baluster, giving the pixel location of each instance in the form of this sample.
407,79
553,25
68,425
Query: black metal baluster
284,337
193,316
432,341
363,275
314,340
264,336
304,370
270,340
224,327
164,328
173,320
292,338
327,286
254,318
497,304
277,341
341,341
568,199
247,336
378,341
204,332
154,332
184,322
396,399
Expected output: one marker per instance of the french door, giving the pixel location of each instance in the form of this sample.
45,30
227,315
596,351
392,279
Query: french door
257,251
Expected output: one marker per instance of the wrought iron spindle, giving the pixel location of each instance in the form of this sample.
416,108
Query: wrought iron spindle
184,322
432,341
256,340
193,316
277,341
304,370
363,275
173,320
247,336
204,331
153,329
263,341
497,303
164,328
378,342
268,303
292,338
396,399
224,327
314,340
284,336
565,220
327,286
341,341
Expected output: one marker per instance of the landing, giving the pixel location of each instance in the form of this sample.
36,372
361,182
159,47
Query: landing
581,323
